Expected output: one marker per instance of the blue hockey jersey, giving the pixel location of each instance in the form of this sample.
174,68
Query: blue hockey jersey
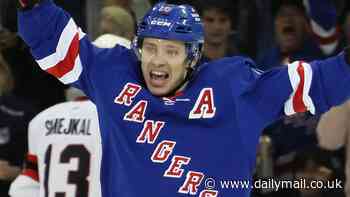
185,145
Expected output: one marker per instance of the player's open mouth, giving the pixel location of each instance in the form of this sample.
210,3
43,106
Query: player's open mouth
158,78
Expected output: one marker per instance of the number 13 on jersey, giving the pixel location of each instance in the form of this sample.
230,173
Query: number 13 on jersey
66,171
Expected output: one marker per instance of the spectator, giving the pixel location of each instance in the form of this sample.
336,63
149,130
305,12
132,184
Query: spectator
297,37
292,37
316,164
126,4
292,135
42,91
289,137
116,20
218,20
14,117
6,80
140,7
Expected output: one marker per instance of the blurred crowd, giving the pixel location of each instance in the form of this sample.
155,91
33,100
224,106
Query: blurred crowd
272,32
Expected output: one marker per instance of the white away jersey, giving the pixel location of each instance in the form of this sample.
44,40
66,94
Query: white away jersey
64,153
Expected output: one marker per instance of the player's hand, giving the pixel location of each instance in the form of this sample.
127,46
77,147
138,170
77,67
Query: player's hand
28,4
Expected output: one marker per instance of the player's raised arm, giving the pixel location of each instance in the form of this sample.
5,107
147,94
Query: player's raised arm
300,87
318,85
54,39
58,44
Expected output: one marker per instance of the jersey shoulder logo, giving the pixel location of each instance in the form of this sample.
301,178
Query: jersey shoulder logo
204,106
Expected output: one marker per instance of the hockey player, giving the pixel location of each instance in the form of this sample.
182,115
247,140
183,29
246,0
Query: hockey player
169,126
64,152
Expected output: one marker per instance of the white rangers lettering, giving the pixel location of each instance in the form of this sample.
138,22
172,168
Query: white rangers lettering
137,113
163,151
174,169
193,180
205,106
129,92
150,131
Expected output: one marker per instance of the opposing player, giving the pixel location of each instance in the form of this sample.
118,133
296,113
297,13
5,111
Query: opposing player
169,126
64,156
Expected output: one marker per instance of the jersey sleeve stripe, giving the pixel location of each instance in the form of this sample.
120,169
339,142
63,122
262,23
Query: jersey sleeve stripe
31,174
74,74
298,103
32,158
300,75
65,63
68,34
31,167
310,106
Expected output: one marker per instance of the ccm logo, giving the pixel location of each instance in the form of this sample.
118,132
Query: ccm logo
161,23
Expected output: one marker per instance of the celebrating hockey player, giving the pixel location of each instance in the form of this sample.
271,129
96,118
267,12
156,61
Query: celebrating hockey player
169,126
67,131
